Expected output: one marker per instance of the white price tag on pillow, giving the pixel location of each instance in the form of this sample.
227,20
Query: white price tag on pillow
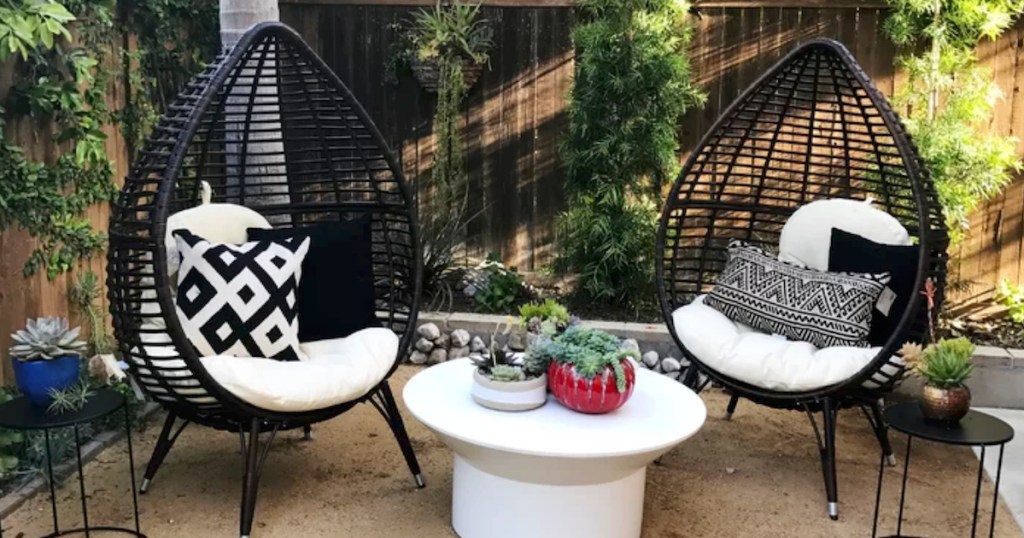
885,300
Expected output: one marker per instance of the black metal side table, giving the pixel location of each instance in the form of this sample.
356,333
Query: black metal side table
19,414
975,429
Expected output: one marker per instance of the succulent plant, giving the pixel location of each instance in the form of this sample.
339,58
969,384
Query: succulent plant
944,364
502,365
507,372
45,339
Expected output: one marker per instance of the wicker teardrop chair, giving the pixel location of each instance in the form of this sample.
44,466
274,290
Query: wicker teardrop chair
813,127
270,127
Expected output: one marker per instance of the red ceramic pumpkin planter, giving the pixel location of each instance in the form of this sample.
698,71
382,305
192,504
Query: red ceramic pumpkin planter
594,396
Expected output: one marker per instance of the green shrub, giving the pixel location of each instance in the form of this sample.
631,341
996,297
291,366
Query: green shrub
948,99
549,309
1011,296
632,85
502,289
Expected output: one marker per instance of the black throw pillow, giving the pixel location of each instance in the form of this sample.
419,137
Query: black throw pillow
335,297
851,252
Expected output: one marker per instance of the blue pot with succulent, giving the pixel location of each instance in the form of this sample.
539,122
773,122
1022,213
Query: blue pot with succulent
47,357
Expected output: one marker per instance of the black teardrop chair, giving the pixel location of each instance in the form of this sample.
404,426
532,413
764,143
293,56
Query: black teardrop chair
813,127
313,155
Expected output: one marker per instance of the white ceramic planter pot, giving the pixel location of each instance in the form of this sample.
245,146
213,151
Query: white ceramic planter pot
509,396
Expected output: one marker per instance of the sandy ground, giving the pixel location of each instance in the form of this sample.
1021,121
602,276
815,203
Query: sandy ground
756,476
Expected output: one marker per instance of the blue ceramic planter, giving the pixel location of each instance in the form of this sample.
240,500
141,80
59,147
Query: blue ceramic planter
36,378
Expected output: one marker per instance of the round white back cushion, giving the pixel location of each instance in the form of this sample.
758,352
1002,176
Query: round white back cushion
217,223
807,235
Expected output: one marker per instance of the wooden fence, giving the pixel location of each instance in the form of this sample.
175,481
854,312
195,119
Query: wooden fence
515,117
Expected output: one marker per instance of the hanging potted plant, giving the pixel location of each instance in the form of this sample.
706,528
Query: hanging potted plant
456,34
46,356
588,371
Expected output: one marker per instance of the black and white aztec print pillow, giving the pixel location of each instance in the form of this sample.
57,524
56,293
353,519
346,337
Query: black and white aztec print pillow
240,299
824,308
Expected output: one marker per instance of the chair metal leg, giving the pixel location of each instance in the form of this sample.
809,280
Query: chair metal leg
385,404
307,432
828,458
168,435
882,432
254,456
731,408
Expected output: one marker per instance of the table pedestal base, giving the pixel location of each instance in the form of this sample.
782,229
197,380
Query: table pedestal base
485,505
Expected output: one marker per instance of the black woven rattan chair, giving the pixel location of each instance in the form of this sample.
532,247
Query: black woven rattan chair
269,127
812,127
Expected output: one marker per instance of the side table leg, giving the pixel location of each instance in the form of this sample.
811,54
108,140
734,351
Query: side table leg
49,476
903,488
81,480
131,464
995,494
977,492
878,494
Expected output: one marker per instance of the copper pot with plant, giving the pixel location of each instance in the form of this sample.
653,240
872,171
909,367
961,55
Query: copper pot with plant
945,367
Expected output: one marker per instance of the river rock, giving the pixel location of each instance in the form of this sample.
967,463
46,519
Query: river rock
444,341
458,352
477,344
517,341
424,345
670,364
418,357
429,331
630,344
438,355
650,358
460,338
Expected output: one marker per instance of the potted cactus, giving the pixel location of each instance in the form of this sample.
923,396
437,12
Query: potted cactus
507,381
46,357
588,371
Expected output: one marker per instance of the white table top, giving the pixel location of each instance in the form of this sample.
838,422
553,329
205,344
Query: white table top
661,413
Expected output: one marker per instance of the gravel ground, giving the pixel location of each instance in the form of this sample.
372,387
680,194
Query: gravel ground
756,476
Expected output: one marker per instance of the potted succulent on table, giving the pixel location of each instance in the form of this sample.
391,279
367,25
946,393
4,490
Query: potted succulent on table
447,32
507,381
588,370
945,367
46,357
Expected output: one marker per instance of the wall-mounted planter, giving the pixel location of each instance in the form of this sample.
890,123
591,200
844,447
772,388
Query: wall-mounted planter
428,72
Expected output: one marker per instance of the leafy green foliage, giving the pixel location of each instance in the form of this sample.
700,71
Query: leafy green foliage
633,82
949,98
84,295
590,351
28,24
549,309
11,443
502,289
947,363
457,29
1011,296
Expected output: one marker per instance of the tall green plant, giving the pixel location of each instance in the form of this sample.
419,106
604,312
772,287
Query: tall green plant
633,83
948,100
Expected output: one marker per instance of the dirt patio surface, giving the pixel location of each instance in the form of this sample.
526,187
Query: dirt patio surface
756,476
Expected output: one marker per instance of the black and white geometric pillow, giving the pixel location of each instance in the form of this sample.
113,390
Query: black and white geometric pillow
240,300
823,308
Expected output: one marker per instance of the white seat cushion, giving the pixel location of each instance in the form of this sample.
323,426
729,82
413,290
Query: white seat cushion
335,371
764,360
807,234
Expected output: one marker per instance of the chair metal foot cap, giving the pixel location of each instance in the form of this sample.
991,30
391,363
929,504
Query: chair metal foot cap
144,486
833,510
419,480
890,460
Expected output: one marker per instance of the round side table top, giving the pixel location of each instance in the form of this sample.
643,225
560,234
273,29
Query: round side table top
660,414
20,414
976,428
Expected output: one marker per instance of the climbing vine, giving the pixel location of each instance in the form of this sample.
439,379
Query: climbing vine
948,100
64,69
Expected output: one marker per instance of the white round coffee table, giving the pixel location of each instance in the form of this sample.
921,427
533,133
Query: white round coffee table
551,472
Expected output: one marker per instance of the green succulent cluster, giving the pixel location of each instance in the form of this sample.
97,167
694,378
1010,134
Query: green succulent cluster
45,339
947,363
590,351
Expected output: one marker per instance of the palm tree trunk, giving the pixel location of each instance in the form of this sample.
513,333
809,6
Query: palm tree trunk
259,177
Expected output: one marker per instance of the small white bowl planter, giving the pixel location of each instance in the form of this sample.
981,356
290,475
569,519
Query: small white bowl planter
509,395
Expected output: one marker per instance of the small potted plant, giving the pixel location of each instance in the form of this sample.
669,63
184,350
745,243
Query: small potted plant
47,357
588,371
944,366
506,381
545,318
454,32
